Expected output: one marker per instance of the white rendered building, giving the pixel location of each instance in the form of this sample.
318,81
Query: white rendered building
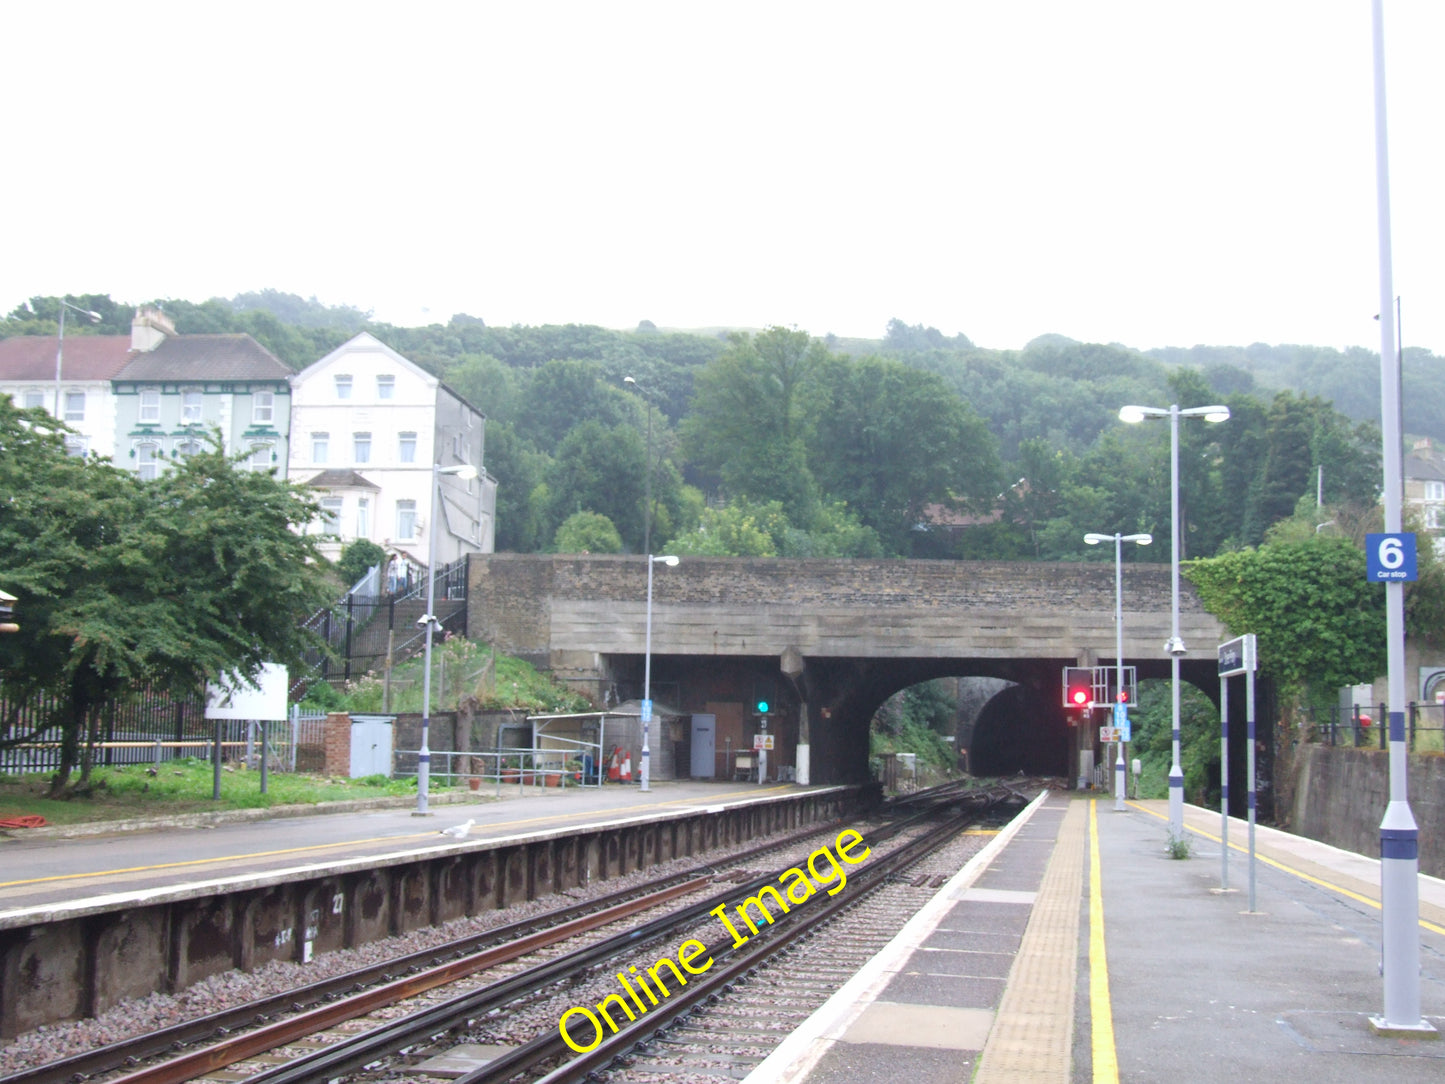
367,426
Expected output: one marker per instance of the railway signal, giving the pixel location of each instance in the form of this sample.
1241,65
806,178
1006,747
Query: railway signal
1078,688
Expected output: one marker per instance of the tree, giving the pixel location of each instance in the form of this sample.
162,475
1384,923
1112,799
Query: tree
748,419
126,583
1318,621
587,532
890,440
597,469
358,558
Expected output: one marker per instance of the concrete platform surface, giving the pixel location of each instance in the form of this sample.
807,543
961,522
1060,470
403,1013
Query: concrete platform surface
54,868
1076,949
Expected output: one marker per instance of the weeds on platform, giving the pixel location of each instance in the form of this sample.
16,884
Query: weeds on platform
1180,847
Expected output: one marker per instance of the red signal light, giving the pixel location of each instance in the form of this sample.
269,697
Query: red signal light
1079,697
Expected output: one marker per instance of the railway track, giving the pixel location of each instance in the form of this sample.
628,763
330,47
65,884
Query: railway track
398,1022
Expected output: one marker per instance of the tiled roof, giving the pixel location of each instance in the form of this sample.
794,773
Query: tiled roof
206,357
87,357
341,479
1424,468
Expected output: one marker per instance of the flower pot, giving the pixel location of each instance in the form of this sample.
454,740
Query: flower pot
510,775
553,779
474,782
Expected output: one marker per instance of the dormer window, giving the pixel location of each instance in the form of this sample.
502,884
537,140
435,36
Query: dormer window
343,386
385,385
150,406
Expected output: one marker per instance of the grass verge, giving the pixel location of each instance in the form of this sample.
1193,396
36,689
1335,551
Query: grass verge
183,786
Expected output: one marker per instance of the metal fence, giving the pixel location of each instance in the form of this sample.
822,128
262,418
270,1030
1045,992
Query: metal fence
369,624
1367,726
151,728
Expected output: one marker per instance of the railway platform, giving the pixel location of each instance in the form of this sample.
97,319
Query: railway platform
41,868
1074,948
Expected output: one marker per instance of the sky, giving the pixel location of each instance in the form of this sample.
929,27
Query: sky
1148,173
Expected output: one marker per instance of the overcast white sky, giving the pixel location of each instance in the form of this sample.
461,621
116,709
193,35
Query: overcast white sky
1154,173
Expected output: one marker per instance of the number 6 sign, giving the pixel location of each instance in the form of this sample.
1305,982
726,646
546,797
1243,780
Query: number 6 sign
1390,558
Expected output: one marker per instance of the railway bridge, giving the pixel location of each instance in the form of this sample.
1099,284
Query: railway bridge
828,641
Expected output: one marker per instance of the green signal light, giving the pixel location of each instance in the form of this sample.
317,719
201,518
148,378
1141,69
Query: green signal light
762,707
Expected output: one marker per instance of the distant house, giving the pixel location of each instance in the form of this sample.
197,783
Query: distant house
1425,489
28,375
368,426
176,389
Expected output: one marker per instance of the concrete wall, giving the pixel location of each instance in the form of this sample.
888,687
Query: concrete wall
566,612
77,959
1341,793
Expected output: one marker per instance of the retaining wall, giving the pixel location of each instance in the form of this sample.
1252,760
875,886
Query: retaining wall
1341,793
79,959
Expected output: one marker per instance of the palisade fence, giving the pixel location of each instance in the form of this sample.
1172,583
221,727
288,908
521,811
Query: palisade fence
150,727
1367,726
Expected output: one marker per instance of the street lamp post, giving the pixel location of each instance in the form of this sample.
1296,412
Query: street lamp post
423,757
95,318
1120,778
645,773
647,475
1175,646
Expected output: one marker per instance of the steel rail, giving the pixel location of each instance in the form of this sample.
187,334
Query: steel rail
739,962
228,1052
387,1038
129,1052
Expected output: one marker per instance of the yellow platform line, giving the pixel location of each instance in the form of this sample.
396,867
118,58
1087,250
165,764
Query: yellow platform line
312,848
1301,874
1101,1006
1031,1041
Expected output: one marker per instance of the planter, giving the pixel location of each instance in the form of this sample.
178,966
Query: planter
553,779
510,775
474,782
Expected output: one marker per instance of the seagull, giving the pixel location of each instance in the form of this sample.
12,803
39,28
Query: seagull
459,831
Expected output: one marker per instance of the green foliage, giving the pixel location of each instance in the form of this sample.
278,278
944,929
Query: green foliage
738,530
597,469
358,558
122,583
915,720
587,532
1152,720
183,786
1317,619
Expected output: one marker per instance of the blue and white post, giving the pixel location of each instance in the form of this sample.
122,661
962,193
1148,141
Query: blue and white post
1390,559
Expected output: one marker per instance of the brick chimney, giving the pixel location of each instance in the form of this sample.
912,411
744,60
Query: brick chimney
148,329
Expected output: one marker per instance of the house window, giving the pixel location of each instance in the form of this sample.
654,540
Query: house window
343,386
331,515
148,462
406,519
260,458
34,398
75,406
150,405
188,448
319,442
361,447
363,517
406,447
76,446
385,385
1435,491
190,408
